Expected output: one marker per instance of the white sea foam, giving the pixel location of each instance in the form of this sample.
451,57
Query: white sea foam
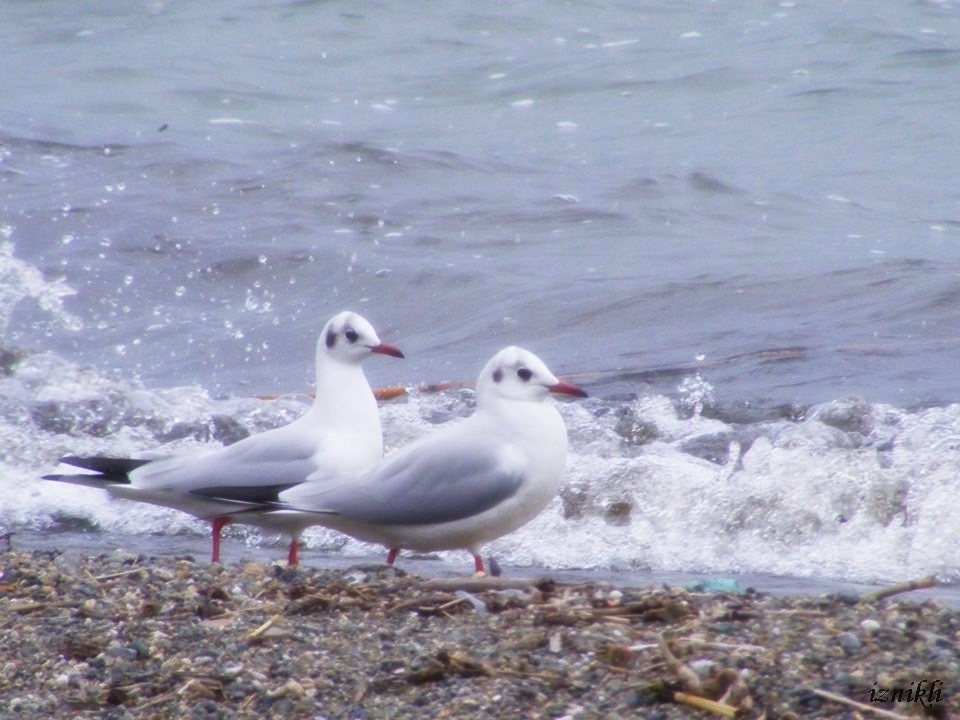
853,491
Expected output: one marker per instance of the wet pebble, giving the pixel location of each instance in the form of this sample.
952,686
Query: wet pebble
850,643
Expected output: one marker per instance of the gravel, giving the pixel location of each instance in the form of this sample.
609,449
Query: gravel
123,636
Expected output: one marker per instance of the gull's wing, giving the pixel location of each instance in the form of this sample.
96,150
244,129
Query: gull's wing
444,477
264,464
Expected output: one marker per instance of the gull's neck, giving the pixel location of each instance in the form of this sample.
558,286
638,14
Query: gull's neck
514,413
344,399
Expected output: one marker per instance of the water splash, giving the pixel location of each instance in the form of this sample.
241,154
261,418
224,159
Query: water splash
851,490
696,393
21,281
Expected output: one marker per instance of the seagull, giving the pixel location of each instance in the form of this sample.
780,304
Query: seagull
462,486
340,434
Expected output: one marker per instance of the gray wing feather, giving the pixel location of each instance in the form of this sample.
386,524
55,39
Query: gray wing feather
424,484
279,460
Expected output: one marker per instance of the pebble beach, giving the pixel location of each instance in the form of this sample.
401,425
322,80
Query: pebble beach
123,636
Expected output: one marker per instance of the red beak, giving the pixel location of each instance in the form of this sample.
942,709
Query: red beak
385,349
564,388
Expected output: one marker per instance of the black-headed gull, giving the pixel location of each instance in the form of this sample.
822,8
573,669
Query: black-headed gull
465,484
339,434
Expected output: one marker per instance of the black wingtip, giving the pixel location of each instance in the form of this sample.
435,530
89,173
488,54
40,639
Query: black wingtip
109,466
252,494
99,482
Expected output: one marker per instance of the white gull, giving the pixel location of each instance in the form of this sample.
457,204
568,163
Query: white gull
339,434
462,486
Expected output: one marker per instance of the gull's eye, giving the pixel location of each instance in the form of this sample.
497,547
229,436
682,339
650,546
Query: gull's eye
524,374
351,335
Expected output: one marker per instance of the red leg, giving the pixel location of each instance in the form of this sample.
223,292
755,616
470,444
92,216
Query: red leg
292,557
478,565
392,555
218,525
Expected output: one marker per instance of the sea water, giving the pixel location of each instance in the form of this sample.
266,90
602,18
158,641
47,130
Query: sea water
736,224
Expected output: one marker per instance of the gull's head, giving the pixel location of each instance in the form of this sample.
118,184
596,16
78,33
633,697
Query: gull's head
518,374
349,338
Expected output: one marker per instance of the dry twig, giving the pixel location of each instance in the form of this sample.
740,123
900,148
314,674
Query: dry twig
703,703
690,679
260,631
479,584
855,704
114,576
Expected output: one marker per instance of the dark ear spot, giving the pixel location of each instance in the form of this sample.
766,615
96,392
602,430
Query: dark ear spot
497,375
331,338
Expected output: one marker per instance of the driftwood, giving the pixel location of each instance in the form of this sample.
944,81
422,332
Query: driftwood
904,587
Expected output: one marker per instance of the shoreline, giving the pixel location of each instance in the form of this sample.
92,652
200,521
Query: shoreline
121,635
432,566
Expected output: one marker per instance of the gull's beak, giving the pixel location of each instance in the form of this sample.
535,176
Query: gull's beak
565,388
385,349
